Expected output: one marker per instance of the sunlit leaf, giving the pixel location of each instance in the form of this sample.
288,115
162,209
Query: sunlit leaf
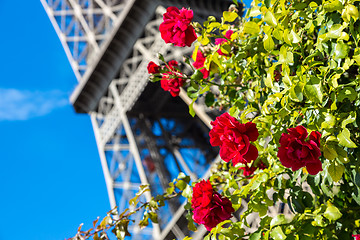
344,139
336,170
332,212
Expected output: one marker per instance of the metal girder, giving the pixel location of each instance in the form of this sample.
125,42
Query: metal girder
84,27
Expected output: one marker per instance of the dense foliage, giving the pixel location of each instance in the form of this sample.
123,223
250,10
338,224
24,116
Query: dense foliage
288,75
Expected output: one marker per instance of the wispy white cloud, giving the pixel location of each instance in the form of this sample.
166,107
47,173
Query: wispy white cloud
23,104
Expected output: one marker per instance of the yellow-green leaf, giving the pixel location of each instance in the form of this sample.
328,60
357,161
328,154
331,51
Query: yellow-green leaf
277,233
335,31
329,152
333,5
313,90
270,19
295,37
344,139
251,28
332,212
268,43
336,170
230,16
341,50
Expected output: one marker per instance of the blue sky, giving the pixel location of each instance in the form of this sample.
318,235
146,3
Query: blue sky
51,178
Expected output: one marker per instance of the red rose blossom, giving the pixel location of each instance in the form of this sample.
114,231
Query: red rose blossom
199,64
172,80
234,138
176,27
295,152
202,194
356,236
248,171
210,208
153,68
219,41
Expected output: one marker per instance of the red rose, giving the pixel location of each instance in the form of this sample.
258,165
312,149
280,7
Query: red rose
202,194
219,41
172,80
248,171
295,152
153,68
356,236
210,208
234,138
176,27
199,64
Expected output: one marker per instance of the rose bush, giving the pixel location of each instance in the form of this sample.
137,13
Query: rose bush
286,74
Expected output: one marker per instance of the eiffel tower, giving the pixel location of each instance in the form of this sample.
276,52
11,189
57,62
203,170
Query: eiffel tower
143,135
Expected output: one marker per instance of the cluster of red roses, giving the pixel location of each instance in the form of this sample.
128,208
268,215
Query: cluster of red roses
171,78
210,208
295,152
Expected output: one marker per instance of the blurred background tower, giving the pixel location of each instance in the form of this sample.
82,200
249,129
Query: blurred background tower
144,136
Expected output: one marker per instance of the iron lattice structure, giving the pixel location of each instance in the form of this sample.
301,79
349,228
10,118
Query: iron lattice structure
144,136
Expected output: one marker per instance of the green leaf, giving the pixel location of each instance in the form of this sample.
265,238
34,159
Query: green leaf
332,212
230,16
333,5
287,38
277,234
187,192
181,185
278,220
268,43
342,154
145,221
251,28
254,11
344,139
357,55
197,75
313,90
329,152
255,236
295,37
154,217
350,119
347,92
278,34
319,221
269,78
336,171
296,93
191,108
209,99
335,31
329,121
341,50
270,19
